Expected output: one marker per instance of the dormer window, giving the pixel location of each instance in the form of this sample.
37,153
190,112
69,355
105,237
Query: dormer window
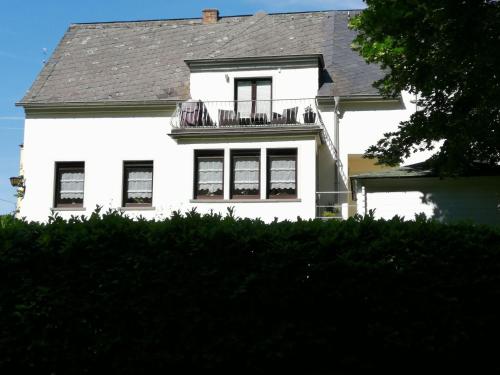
253,99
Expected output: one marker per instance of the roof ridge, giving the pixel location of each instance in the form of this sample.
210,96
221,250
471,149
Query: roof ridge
199,18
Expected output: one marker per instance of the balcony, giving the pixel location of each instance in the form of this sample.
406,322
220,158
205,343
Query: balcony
246,114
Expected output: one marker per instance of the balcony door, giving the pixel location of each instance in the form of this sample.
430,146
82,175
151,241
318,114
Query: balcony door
253,99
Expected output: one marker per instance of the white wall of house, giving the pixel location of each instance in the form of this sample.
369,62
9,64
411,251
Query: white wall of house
363,124
287,83
105,143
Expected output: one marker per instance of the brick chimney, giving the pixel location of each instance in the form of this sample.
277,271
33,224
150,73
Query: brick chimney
210,16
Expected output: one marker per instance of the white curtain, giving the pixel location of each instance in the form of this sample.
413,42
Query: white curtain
263,98
140,184
72,185
210,174
246,173
244,98
282,172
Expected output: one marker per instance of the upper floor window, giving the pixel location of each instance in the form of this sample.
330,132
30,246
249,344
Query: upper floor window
245,174
282,173
253,99
137,183
70,180
209,174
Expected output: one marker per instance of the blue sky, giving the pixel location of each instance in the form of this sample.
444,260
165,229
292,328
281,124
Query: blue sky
30,26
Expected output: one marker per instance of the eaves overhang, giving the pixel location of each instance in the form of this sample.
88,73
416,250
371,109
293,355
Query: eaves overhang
114,109
366,99
100,104
253,62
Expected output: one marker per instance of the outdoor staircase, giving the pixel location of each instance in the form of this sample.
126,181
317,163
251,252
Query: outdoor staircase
333,150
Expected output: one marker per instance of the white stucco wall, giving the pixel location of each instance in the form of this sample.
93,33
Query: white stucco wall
405,204
104,143
287,83
363,124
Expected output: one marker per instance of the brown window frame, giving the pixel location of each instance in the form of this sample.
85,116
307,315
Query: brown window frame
75,166
218,153
244,153
129,165
285,152
253,80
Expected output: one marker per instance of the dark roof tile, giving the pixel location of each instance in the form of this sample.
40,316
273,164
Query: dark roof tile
144,61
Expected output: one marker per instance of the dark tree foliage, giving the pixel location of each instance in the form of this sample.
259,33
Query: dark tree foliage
447,52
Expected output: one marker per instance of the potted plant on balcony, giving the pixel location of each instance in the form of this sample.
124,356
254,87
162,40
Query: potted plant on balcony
309,115
330,210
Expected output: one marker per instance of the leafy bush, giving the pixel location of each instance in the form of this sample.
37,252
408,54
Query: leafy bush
207,293
6,220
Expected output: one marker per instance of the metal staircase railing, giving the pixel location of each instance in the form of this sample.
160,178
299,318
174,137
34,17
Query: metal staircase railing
331,146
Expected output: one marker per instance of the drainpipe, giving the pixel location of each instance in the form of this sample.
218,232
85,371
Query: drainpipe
336,137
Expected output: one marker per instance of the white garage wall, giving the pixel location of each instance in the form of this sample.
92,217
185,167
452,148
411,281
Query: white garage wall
448,199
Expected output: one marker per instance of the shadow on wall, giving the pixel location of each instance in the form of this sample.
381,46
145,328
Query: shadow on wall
449,200
472,198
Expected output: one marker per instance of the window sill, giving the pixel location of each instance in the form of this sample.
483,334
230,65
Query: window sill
68,209
137,208
245,200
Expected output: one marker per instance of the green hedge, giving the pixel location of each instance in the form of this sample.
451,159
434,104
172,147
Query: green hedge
213,294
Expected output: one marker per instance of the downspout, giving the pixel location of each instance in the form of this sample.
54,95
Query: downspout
336,138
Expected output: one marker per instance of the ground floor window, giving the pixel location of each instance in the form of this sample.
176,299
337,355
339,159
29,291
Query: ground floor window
137,183
209,174
282,173
245,174
69,187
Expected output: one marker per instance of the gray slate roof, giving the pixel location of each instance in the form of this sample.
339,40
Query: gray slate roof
144,61
351,74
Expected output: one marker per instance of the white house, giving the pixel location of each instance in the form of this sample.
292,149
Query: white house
267,114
